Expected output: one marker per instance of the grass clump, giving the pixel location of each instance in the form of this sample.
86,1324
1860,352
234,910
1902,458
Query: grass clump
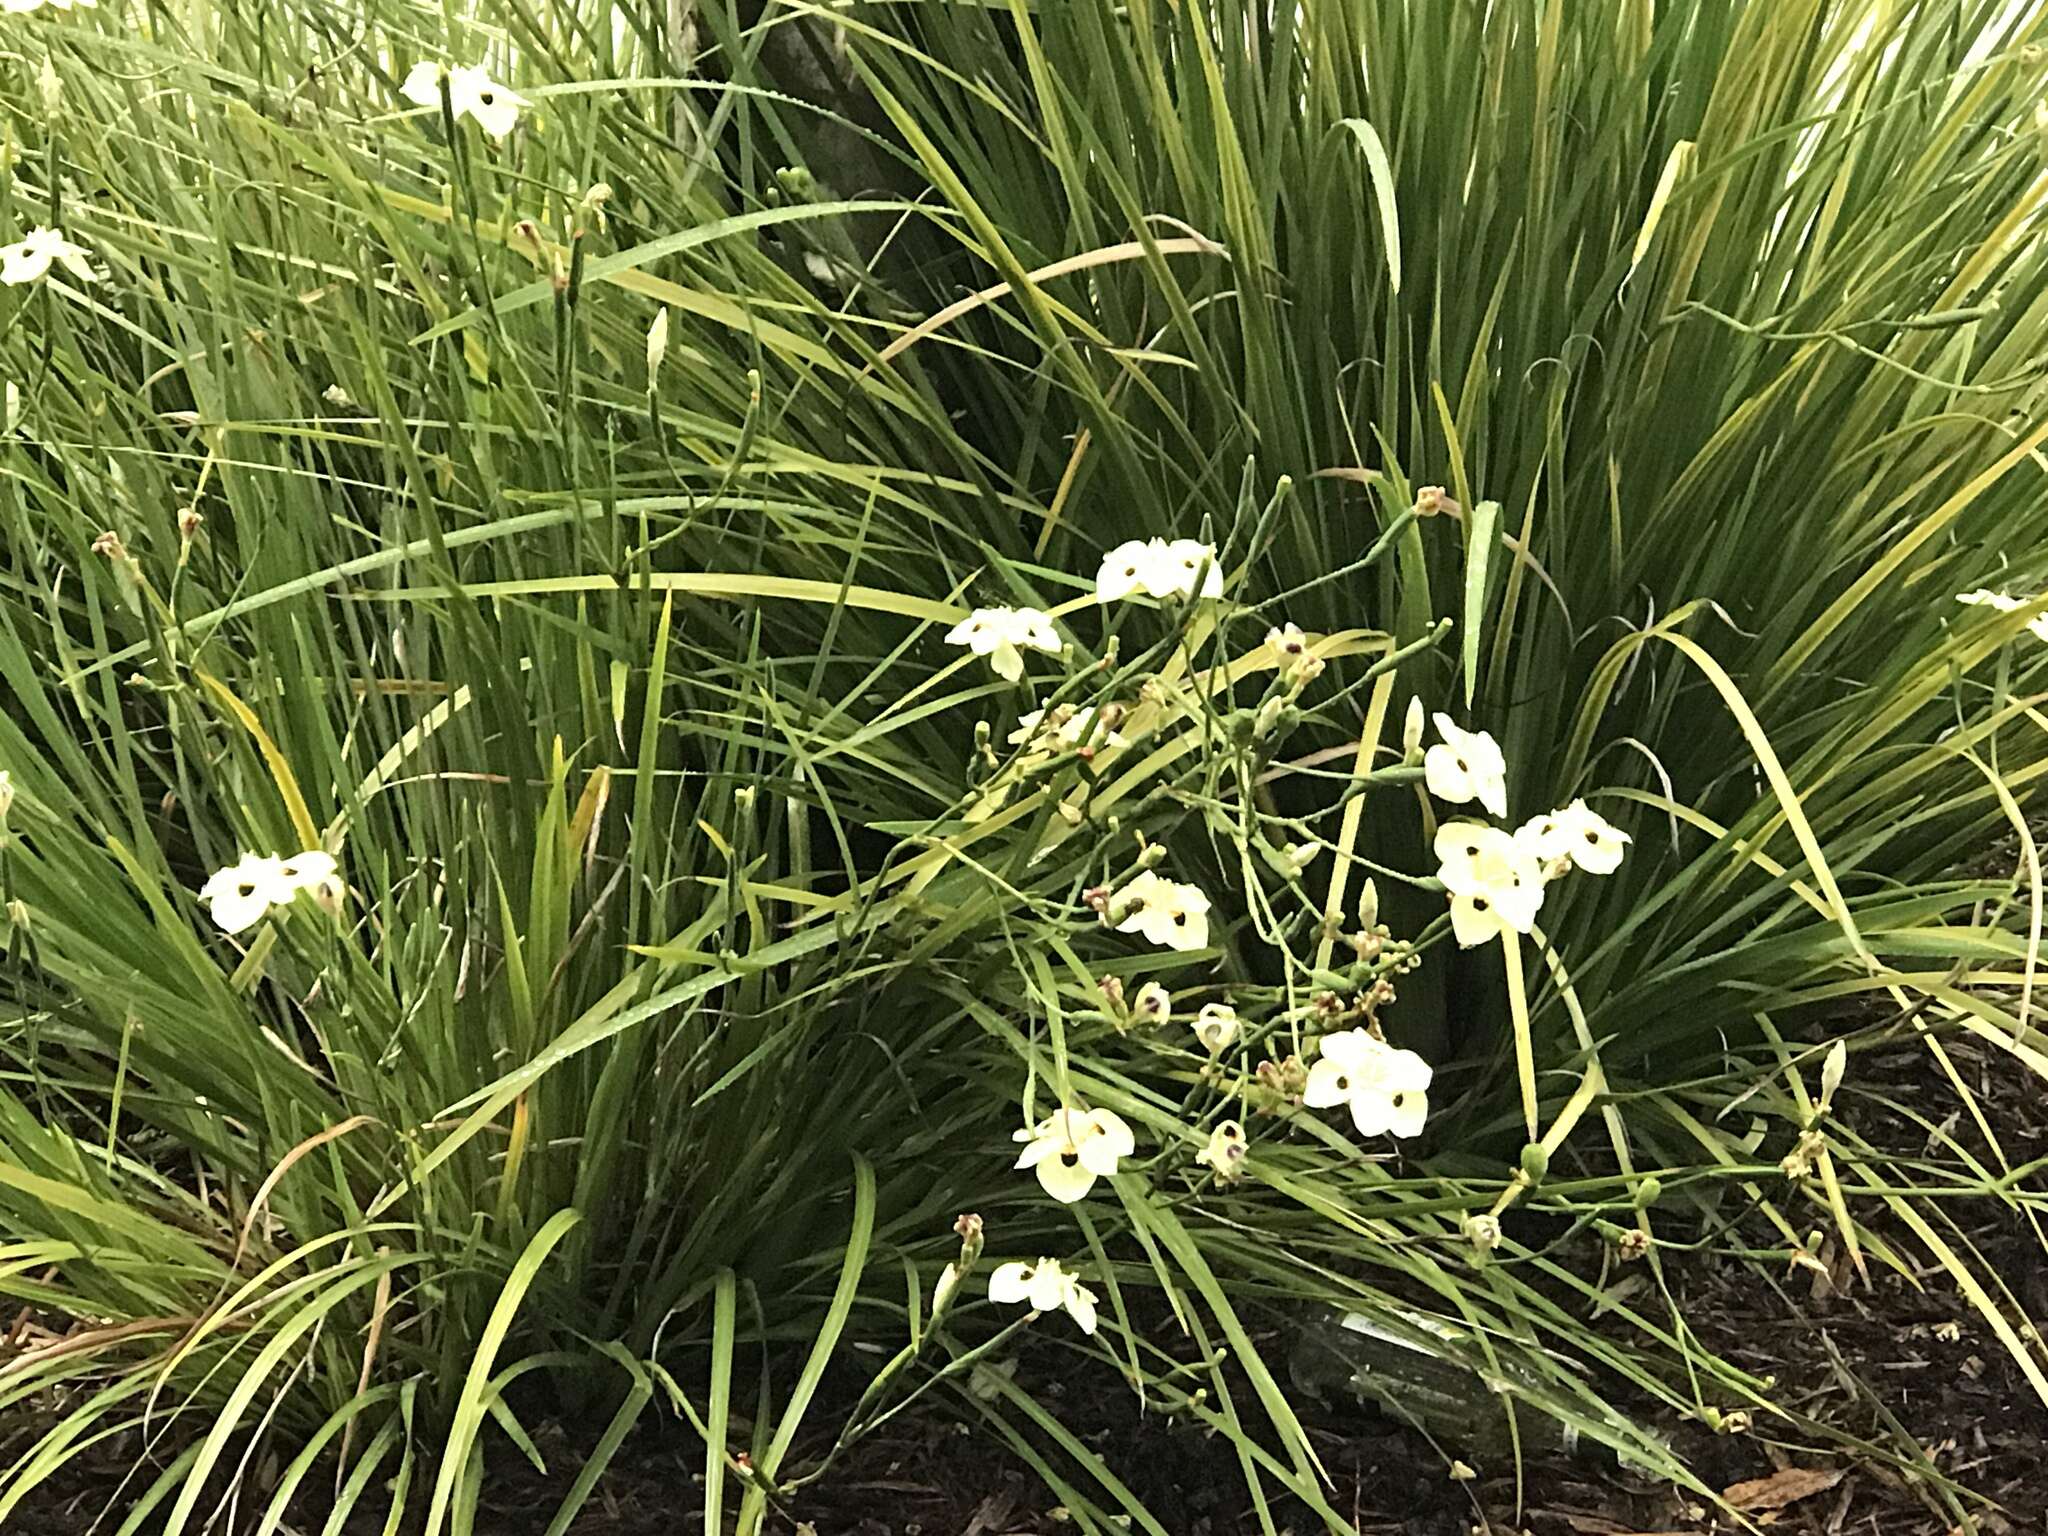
547,486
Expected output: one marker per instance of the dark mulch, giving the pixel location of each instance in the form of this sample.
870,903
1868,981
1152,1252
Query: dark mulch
1906,1363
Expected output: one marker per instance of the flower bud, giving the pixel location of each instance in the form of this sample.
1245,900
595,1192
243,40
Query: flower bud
1432,500
657,346
1649,1192
1216,1026
50,88
1411,728
1831,1073
6,794
1225,1152
1154,1004
1369,905
1535,1162
969,1226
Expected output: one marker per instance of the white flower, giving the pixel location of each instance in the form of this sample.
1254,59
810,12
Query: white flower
1578,834
1225,1152
1189,560
2037,626
1494,881
242,893
998,634
1466,765
337,397
1069,727
30,258
1072,1149
1166,912
314,870
473,94
1216,1026
1128,571
1287,642
1387,1089
1047,1287
1154,1004
1157,568
1483,1232
1983,597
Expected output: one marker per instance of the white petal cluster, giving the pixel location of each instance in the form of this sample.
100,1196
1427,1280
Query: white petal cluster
240,896
1065,729
1003,635
1494,880
1071,1149
1466,765
1387,1090
1159,568
472,94
1166,912
30,258
1579,836
1225,1152
2005,603
1047,1286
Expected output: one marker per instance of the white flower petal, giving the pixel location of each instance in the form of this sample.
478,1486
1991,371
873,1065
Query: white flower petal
1080,1303
1471,924
308,870
1048,1286
1066,1178
1329,1084
1184,563
1126,571
1408,1108
1372,1111
1010,1283
423,84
